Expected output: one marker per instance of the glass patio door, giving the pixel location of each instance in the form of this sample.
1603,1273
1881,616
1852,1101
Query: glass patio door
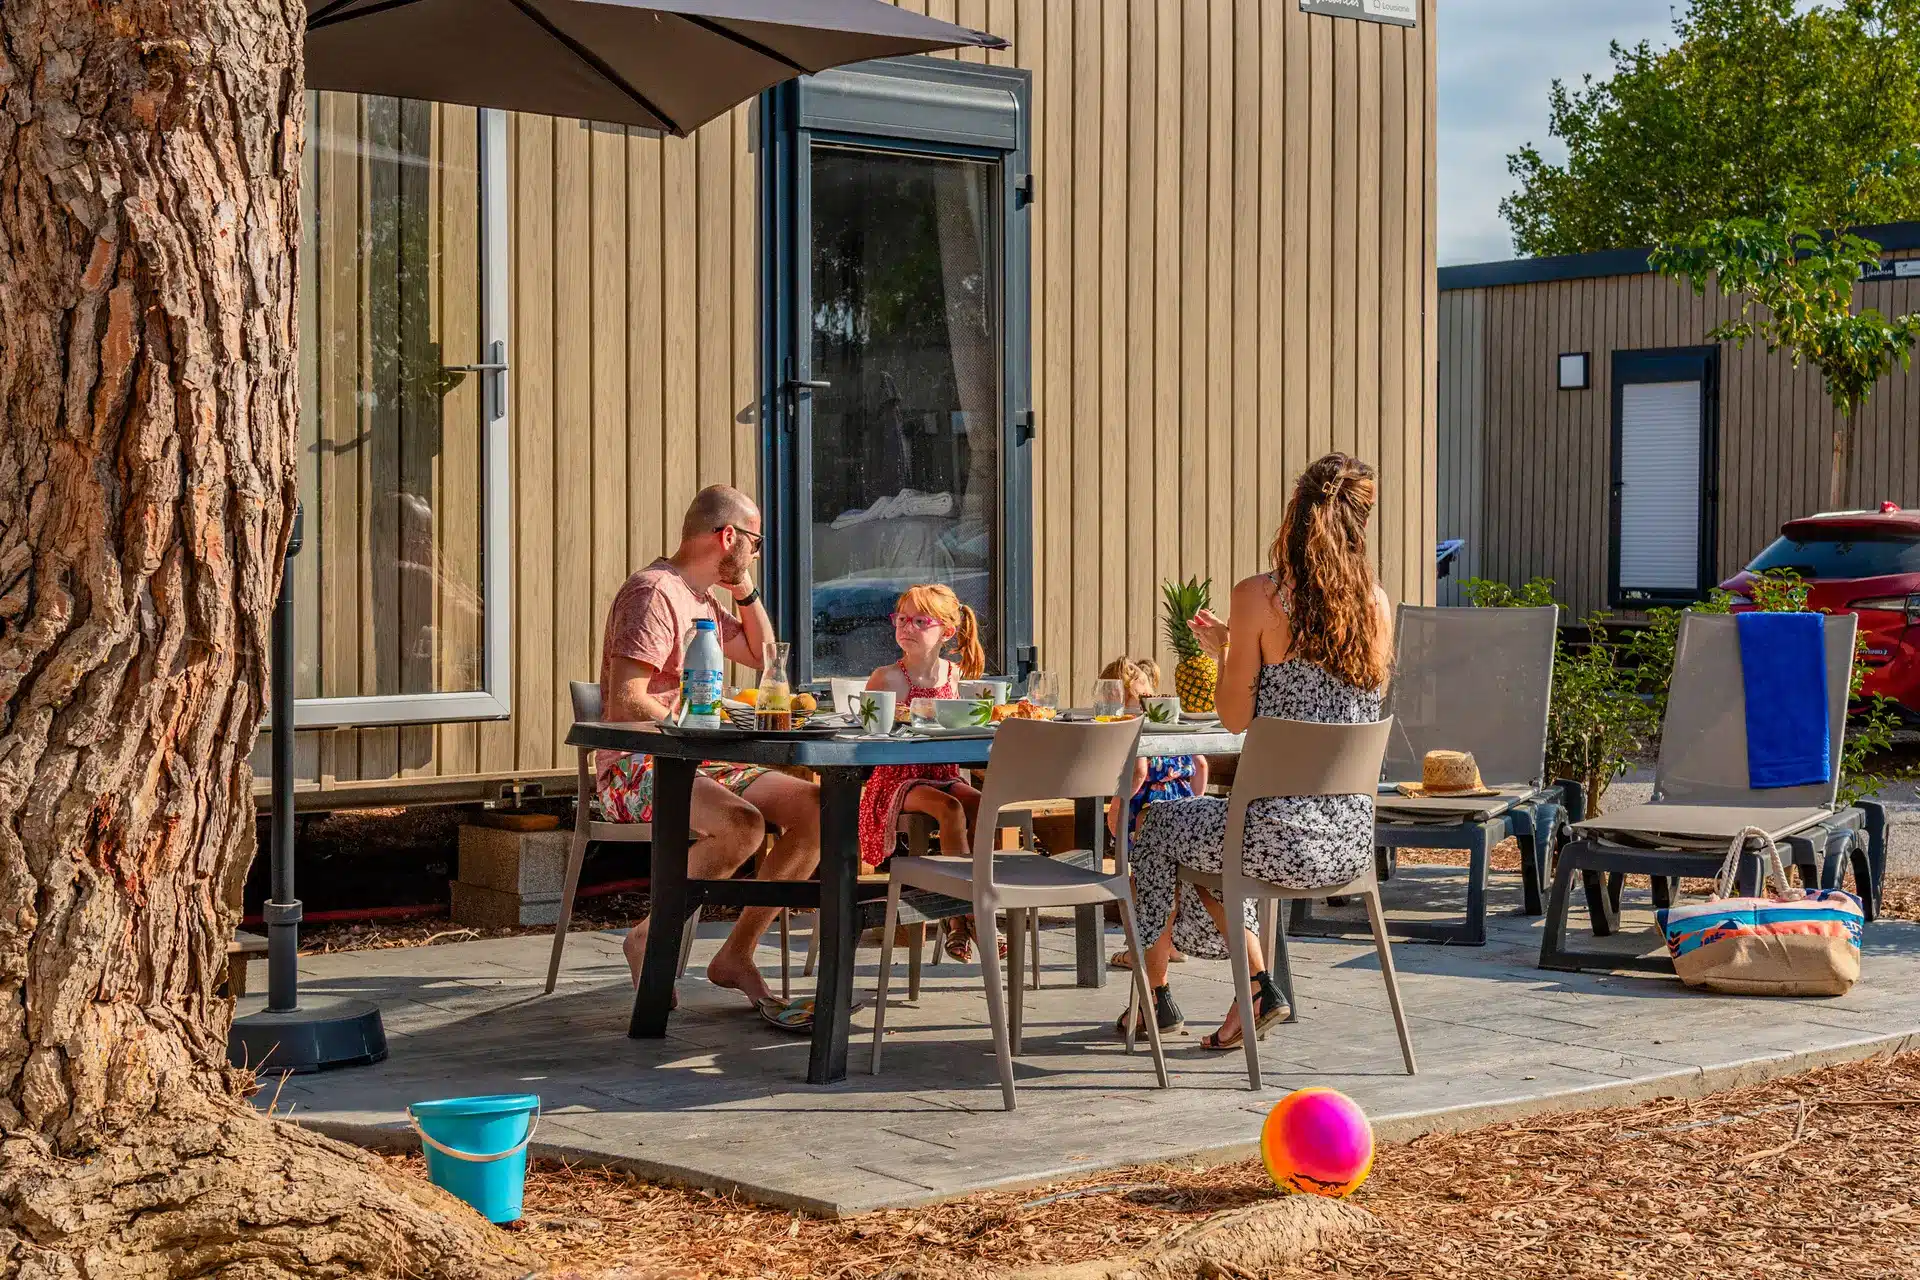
400,587
897,371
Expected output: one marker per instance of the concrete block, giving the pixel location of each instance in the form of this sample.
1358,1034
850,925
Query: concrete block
529,863
485,908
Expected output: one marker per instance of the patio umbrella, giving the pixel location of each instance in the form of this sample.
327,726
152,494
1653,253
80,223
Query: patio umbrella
670,65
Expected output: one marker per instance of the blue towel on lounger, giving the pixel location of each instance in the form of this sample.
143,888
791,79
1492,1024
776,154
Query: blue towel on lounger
1783,668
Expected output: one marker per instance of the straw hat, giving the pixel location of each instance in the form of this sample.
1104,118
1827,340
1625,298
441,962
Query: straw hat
1445,774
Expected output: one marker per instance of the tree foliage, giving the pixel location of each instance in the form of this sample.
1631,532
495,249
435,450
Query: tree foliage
1803,279
1754,99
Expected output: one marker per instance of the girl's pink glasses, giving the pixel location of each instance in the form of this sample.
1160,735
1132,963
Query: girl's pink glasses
918,621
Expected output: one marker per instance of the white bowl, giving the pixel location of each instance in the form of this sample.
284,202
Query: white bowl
962,713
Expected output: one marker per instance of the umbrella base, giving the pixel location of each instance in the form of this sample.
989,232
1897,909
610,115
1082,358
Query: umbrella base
323,1032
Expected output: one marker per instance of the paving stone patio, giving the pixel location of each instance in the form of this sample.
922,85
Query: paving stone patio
722,1102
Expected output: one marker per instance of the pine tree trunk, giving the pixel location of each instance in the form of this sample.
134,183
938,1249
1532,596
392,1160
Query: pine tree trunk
149,228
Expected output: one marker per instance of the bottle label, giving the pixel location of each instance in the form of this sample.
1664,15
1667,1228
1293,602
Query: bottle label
701,691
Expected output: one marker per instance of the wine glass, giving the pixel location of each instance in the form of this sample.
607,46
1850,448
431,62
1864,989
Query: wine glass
1043,689
1109,698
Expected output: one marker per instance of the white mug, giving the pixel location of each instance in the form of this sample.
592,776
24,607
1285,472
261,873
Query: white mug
875,711
995,690
1161,711
844,695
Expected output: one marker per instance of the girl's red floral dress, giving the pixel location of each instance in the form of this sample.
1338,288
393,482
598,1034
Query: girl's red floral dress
887,788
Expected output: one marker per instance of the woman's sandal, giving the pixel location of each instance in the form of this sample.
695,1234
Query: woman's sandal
1165,1011
958,940
1269,1007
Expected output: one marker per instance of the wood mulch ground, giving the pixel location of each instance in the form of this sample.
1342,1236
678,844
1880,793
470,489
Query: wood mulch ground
1813,1175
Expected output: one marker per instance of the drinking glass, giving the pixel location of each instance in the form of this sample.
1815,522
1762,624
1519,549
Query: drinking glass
1043,689
1109,698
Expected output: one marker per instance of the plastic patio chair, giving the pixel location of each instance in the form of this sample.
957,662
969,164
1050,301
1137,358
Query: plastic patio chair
587,829
1297,758
1701,799
1031,760
1477,680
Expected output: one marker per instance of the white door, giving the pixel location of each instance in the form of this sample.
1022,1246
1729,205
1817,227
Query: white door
1660,495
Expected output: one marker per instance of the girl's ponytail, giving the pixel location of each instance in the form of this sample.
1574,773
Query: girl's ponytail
972,657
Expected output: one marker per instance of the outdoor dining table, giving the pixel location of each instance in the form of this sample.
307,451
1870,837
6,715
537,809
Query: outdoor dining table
842,764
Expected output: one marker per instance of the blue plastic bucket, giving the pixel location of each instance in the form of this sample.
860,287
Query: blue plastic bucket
477,1148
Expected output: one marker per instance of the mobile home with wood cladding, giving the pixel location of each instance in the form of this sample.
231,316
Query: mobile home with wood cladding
1590,432
1050,324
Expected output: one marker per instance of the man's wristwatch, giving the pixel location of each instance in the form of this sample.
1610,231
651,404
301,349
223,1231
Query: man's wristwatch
750,598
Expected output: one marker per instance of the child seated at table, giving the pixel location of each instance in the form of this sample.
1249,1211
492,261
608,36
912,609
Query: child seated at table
1154,777
928,620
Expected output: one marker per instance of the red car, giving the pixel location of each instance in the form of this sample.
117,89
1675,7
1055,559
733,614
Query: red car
1865,563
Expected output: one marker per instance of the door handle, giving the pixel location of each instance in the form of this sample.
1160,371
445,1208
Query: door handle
808,384
493,369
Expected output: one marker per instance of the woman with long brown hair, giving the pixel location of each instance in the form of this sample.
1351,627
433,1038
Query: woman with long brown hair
1310,640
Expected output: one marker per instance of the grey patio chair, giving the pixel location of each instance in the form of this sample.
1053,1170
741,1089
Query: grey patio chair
1478,680
1031,760
1297,758
1701,798
587,829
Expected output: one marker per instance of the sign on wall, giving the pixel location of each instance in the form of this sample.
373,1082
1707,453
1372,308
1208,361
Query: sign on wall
1401,13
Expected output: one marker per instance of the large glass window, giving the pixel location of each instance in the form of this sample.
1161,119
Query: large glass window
906,433
400,586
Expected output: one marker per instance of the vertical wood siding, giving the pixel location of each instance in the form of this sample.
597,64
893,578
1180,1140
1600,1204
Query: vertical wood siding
1233,272
1528,467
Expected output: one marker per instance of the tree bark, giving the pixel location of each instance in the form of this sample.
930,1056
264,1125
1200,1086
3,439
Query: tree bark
149,233
1841,468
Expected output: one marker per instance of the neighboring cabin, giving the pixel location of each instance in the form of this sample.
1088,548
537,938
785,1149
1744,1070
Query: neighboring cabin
1677,460
1093,301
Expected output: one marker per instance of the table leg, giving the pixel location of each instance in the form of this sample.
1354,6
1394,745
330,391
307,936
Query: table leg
1089,923
672,818
839,931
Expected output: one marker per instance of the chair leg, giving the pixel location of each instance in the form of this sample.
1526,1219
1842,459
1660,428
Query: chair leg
686,940
786,958
1016,977
1242,983
916,945
1279,964
886,974
1269,910
576,855
813,946
1033,943
1378,919
988,939
1553,930
1141,997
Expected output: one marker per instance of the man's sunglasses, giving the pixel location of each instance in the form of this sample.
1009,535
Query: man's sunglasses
758,540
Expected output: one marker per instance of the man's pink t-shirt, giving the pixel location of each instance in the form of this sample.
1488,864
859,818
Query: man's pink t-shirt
648,623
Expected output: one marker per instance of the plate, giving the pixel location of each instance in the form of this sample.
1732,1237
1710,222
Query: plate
964,731
730,734
1201,717
1184,726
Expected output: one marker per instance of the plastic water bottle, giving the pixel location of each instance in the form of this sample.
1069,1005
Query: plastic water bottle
702,676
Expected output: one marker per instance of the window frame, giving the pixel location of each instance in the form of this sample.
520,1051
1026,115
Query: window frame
886,105
493,700
1668,364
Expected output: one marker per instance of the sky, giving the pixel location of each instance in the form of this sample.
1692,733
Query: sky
1498,58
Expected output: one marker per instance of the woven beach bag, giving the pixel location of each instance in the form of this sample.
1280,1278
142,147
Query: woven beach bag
1791,943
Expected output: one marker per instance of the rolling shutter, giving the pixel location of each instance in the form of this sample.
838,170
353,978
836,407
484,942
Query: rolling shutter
1660,492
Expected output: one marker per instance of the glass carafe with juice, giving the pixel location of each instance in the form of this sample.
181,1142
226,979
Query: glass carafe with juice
774,710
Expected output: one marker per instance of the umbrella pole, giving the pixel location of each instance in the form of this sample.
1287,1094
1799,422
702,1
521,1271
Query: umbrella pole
277,1036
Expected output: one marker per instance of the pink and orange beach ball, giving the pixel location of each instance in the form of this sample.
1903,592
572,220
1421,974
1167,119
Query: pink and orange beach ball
1317,1141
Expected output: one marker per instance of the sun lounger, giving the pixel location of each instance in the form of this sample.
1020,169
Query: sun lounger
1702,800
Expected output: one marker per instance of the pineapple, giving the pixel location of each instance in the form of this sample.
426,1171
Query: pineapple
1198,674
